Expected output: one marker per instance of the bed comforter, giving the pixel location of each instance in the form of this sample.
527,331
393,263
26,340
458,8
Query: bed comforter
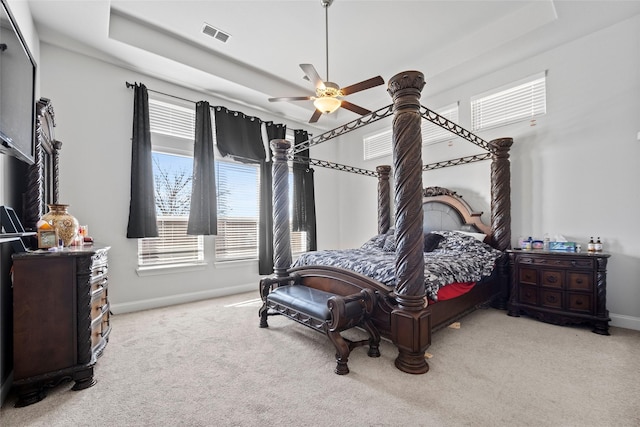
458,258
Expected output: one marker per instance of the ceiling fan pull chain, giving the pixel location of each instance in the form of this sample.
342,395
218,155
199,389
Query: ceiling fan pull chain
326,34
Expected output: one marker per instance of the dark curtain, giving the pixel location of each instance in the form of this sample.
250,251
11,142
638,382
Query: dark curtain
203,213
265,246
239,135
142,206
304,204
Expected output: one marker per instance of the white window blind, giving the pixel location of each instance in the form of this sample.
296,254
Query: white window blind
170,119
377,145
511,103
432,133
380,144
172,246
238,187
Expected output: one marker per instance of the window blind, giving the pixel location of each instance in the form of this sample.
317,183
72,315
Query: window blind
512,103
380,144
238,186
172,246
170,119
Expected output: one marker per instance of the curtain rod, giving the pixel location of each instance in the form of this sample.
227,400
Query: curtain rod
133,85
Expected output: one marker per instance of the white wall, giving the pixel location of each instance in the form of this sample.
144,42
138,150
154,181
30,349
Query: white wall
93,110
575,173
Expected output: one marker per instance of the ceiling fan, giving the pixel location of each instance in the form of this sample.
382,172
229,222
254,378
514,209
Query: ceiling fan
328,94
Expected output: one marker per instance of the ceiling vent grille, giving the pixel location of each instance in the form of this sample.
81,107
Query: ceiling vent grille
215,33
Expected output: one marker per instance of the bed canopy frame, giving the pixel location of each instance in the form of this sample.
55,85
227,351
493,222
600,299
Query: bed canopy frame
410,323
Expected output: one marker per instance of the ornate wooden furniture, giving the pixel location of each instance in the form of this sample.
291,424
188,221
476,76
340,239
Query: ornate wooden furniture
401,313
323,311
560,287
60,318
42,176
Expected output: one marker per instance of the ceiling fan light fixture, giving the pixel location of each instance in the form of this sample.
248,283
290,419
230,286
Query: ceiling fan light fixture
327,104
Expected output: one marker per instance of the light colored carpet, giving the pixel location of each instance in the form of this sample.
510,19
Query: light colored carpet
209,364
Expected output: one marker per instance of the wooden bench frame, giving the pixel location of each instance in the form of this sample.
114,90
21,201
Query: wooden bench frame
344,312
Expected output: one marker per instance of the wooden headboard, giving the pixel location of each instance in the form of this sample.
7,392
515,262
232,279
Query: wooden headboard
444,209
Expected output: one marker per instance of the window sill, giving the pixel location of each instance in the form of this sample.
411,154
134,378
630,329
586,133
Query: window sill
170,269
235,263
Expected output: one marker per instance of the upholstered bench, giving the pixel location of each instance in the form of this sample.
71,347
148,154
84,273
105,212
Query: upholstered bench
323,311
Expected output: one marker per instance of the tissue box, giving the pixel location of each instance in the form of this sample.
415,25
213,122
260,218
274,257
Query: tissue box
562,246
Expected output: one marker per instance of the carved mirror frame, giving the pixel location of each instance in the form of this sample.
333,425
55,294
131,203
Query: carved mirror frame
42,176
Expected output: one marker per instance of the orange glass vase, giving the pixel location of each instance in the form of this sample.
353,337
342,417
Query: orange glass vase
63,222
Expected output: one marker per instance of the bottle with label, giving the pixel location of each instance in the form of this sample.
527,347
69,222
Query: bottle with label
591,246
546,241
598,245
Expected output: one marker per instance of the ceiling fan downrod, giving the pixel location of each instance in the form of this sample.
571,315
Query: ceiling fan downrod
326,4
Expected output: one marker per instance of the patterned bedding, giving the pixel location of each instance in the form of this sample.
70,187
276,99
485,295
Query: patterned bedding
457,258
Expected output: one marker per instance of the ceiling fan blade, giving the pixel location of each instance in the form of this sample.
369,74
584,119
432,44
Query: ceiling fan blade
355,108
315,116
366,84
290,98
312,75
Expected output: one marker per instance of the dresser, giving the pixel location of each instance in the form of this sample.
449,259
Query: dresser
560,287
60,318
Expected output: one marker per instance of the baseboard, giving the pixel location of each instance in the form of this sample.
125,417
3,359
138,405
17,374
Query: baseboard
627,322
128,307
5,388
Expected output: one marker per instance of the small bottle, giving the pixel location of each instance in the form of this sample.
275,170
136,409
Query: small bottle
546,241
591,246
598,245
528,243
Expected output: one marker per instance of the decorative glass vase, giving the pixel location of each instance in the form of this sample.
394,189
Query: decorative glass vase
63,222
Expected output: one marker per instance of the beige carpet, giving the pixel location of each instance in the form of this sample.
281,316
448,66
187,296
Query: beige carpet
208,364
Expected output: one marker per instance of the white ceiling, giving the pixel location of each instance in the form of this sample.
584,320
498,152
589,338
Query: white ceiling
449,41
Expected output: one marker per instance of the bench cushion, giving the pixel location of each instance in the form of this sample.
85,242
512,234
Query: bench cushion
303,299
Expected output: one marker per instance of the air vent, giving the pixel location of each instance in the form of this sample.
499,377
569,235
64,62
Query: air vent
215,33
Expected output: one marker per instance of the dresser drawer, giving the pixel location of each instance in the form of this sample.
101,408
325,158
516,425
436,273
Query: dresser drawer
580,281
551,299
529,294
528,275
557,262
580,302
552,278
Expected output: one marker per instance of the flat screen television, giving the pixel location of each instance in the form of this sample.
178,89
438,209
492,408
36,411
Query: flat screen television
17,90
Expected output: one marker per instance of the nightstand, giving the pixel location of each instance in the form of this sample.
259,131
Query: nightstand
560,287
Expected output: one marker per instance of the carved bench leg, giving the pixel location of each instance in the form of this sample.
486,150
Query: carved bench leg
263,316
342,352
374,339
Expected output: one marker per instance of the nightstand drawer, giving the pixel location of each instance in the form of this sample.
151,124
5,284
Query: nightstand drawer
551,299
529,295
580,281
581,303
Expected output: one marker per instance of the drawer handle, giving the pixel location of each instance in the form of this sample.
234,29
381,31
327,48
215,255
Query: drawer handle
551,298
552,279
579,281
579,302
574,263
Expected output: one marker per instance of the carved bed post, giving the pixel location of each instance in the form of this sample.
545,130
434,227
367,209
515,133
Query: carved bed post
384,199
411,319
281,234
500,193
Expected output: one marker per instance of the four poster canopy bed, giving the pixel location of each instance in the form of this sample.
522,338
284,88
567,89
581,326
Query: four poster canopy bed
393,286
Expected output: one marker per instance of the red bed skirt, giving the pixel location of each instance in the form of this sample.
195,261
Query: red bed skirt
453,290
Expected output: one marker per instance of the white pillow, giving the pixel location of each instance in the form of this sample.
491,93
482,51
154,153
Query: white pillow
478,236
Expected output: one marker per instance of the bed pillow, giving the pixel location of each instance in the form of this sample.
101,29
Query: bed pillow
478,236
376,242
390,242
431,241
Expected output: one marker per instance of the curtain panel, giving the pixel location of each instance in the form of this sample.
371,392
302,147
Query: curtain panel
239,135
203,213
265,244
142,204
304,204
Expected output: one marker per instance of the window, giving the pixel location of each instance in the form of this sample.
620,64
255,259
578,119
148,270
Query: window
238,191
238,210
512,103
380,144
